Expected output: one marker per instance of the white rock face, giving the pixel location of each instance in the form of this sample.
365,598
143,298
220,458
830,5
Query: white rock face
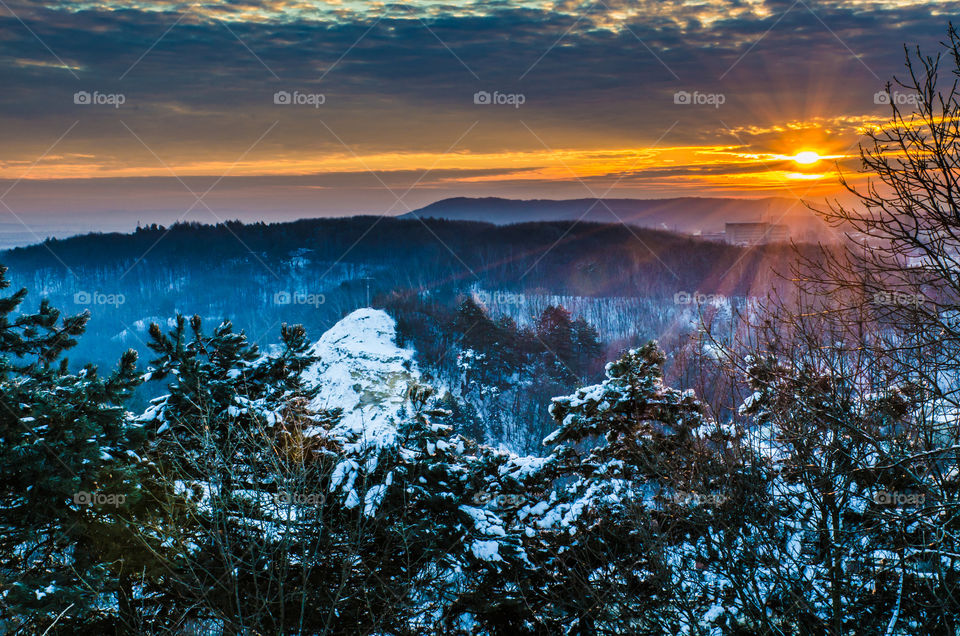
363,371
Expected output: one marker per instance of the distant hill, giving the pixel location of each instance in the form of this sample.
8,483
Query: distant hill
316,271
687,215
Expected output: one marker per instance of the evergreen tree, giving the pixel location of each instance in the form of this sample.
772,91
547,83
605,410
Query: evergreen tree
490,344
554,331
422,517
642,472
237,433
75,488
587,345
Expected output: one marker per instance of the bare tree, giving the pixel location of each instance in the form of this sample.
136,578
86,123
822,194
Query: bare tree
855,400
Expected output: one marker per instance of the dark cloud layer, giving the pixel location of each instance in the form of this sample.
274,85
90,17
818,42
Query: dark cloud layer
402,79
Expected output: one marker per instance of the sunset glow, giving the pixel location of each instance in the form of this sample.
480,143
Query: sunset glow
807,157
646,101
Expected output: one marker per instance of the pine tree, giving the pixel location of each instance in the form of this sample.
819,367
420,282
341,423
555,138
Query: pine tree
641,473
423,518
75,489
489,345
587,346
554,331
237,433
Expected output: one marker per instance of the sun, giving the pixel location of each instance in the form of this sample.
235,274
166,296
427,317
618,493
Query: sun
807,157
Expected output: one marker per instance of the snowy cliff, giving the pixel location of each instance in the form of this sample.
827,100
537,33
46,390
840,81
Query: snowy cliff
362,371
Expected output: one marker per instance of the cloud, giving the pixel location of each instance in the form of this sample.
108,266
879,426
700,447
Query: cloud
399,80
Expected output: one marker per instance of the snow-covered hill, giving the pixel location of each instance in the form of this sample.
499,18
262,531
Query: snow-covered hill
363,371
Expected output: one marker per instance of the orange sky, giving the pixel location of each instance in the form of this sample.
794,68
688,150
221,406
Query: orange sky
404,105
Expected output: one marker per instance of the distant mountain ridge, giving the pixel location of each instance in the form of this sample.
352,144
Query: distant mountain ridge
687,215
315,271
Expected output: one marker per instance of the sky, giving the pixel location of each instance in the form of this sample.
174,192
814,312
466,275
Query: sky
114,112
